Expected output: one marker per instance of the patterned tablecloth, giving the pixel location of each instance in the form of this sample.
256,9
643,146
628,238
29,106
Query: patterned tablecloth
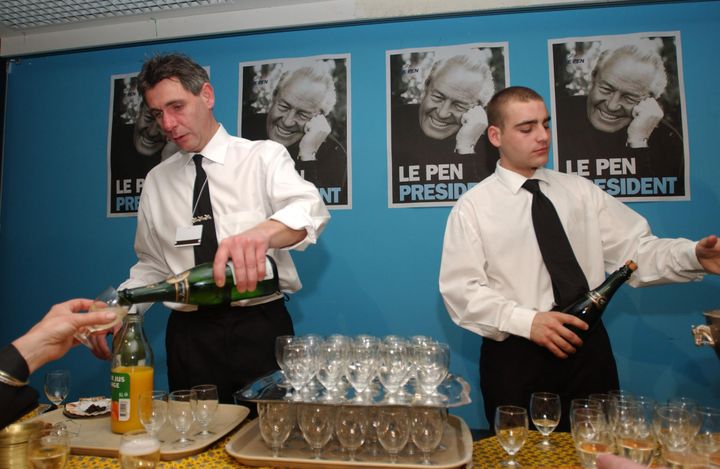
487,453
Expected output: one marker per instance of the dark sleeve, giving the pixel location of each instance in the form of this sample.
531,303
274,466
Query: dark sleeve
16,402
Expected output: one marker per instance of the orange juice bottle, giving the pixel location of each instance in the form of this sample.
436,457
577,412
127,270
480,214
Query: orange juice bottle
131,374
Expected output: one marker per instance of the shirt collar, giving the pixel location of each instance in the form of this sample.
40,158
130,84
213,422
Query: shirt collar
215,150
514,181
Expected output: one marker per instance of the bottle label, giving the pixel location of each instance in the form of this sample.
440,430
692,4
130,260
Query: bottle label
269,274
182,286
120,408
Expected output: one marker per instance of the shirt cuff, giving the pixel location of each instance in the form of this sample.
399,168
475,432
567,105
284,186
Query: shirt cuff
689,261
520,322
297,221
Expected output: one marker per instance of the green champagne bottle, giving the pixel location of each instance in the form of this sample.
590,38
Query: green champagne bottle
592,304
196,286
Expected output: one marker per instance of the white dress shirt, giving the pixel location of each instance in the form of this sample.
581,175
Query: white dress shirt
250,182
492,276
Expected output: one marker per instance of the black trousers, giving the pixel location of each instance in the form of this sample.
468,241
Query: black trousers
511,370
227,346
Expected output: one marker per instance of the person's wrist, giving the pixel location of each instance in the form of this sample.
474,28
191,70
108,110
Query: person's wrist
307,156
464,149
636,141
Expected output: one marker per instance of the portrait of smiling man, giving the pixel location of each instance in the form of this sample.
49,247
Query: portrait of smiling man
437,142
619,118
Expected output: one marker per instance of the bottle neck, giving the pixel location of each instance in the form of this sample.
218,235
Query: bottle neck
613,282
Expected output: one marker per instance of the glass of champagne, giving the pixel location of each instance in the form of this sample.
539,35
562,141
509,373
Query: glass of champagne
57,386
139,449
707,440
545,415
153,409
48,449
277,420
204,405
107,300
181,415
511,430
590,435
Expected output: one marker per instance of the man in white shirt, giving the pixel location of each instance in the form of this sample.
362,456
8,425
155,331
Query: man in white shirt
494,281
259,204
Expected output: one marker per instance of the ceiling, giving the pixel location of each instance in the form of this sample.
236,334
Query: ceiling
38,26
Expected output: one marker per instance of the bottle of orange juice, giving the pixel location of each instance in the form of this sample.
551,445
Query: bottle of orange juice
131,374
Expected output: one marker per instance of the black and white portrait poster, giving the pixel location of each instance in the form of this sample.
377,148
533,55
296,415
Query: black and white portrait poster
619,114
136,143
436,121
304,104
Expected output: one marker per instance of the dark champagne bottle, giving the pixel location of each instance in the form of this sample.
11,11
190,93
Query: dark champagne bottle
592,304
196,286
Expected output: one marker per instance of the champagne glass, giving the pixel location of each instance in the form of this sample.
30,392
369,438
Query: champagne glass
153,410
394,366
634,433
432,361
590,434
204,405
316,424
300,362
57,386
545,415
108,300
427,428
351,428
181,415
139,449
332,361
277,420
393,430
511,430
280,342
362,364
707,440
50,448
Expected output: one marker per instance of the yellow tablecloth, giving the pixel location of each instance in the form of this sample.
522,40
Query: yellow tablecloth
487,453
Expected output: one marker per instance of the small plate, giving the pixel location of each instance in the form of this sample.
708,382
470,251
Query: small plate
87,407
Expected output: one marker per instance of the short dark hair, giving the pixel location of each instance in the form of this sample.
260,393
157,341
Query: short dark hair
179,66
502,98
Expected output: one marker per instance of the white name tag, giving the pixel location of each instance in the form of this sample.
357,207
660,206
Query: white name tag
188,236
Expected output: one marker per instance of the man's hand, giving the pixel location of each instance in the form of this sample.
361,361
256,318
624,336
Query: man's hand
646,116
247,251
52,337
474,122
316,131
707,251
548,330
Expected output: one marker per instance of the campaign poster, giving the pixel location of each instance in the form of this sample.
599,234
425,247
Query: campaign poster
136,143
304,104
436,121
619,114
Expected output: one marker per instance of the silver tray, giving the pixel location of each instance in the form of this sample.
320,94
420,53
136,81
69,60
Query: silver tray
247,446
454,391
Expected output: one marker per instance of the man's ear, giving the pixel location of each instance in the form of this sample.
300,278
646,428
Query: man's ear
207,93
494,135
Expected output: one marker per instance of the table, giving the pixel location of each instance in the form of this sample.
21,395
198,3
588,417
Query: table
487,453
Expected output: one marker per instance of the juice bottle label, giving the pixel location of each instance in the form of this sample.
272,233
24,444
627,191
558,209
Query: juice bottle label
120,384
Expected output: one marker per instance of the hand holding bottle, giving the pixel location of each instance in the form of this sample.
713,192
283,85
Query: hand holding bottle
548,330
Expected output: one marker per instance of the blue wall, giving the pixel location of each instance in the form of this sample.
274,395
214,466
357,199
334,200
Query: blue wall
375,269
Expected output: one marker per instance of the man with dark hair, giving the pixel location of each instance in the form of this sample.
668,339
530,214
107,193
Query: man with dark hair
495,280
447,126
257,205
621,118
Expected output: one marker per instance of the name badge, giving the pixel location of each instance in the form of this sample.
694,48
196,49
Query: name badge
188,236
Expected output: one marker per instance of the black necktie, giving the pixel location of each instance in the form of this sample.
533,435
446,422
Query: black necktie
568,279
203,215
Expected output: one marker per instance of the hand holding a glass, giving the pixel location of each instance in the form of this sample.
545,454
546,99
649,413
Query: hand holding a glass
107,301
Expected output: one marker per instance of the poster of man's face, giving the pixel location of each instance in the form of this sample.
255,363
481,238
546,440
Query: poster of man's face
436,98
303,104
136,143
619,114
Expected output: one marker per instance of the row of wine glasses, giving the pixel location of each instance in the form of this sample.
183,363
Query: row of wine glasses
640,429
353,426
359,360
182,408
